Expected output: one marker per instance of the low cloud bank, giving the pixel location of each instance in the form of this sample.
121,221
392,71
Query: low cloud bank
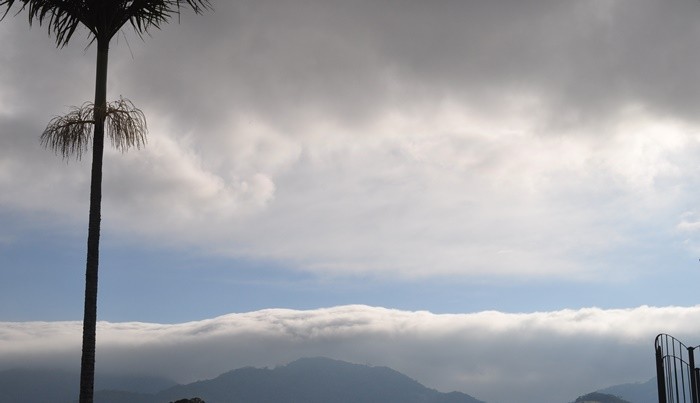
495,356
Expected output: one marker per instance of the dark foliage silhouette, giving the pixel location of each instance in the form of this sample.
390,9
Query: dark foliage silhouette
600,398
69,135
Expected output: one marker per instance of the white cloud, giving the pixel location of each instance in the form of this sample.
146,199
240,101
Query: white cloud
440,192
448,191
169,183
495,356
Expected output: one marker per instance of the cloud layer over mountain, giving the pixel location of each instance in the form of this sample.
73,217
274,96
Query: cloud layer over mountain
494,356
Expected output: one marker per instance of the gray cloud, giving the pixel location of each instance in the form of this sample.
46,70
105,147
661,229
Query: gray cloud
353,60
471,138
497,357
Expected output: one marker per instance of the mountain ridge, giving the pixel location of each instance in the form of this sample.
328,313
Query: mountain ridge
312,380
309,380
315,380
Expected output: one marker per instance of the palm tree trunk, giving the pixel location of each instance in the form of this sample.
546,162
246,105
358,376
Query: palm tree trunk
87,365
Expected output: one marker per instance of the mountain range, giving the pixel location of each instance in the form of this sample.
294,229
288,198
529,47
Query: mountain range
309,380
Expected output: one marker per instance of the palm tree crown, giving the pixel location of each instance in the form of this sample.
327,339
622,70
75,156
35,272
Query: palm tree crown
103,18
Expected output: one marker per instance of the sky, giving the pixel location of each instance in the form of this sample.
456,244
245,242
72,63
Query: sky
520,157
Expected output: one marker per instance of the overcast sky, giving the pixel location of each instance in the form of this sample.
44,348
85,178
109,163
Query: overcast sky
449,156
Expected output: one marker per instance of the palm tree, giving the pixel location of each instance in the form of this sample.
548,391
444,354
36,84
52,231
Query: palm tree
70,135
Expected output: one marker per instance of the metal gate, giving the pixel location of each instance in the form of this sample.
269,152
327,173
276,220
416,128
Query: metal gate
676,374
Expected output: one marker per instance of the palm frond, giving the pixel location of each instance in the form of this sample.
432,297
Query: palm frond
62,16
125,125
71,135
143,15
7,4
102,18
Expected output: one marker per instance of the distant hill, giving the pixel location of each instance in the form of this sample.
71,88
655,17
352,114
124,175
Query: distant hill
309,380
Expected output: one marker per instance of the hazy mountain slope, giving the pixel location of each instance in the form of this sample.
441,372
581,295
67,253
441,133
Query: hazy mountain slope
29,385
314,380
309,380
635,392
55,386
117,396
133,383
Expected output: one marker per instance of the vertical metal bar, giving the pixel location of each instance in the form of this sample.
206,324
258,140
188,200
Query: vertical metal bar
675,371
670,363
691,373
660,376
685,372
